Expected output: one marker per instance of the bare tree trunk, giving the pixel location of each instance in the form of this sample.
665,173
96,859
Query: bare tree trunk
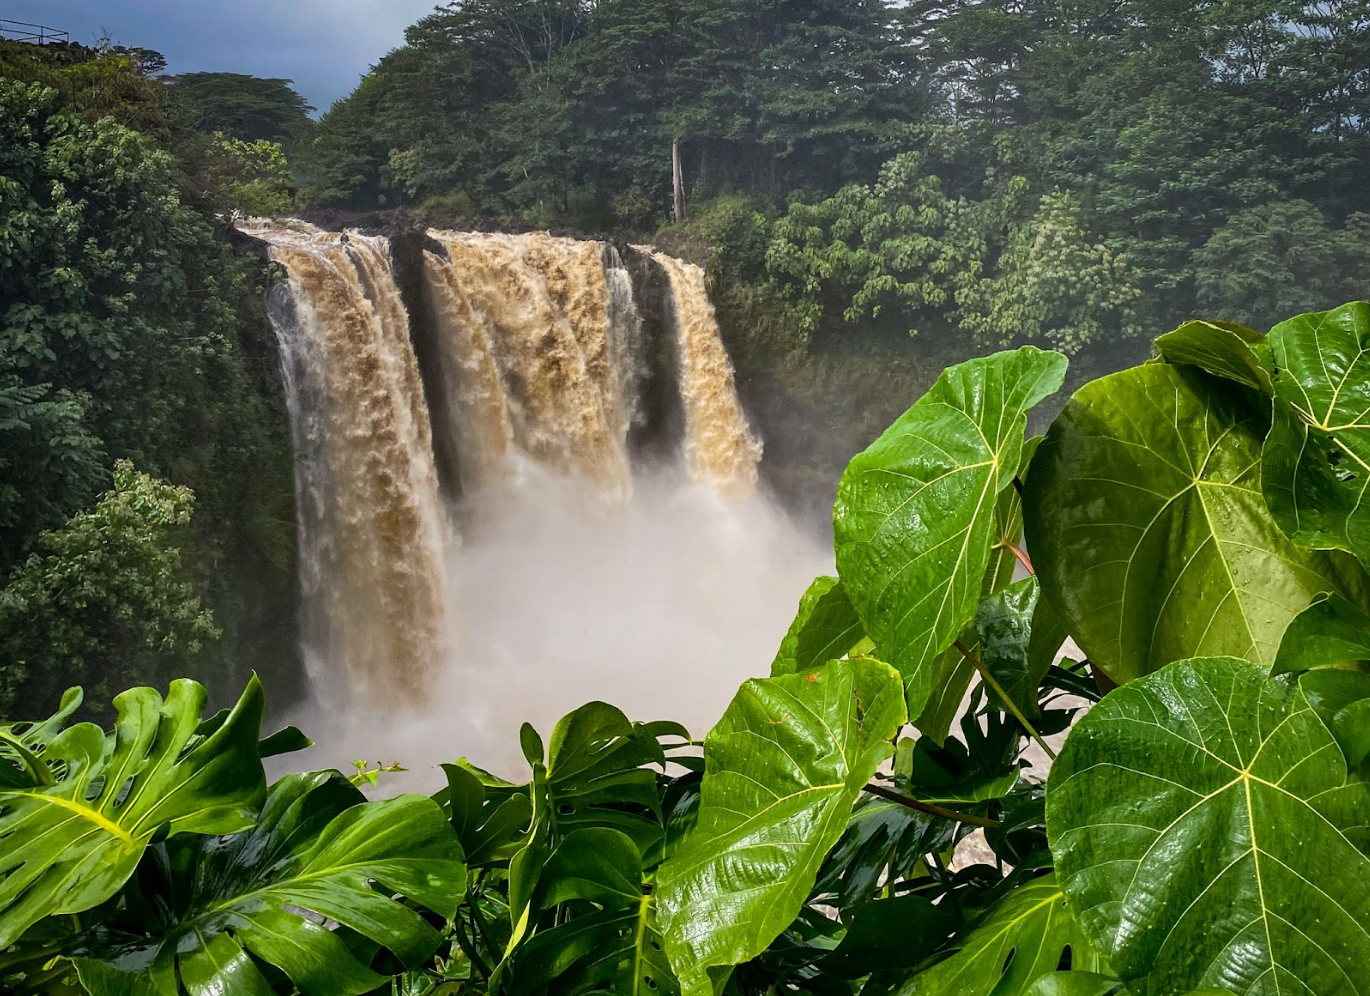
679,181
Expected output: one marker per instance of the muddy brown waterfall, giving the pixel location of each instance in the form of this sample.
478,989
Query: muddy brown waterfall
373,533
536,368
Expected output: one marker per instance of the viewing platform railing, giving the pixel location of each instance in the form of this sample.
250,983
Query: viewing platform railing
37,34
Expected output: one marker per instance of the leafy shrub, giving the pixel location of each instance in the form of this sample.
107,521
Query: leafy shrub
105,599
1199,529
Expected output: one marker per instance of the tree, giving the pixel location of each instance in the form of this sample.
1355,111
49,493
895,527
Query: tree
247,108
106,599
1052,283
50,462
1283,254
257,176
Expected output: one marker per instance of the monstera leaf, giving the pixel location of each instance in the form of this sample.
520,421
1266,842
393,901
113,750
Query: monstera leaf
783,768
1022,938
1149,531
1317,459
825,628
491,825
915,514
75,825
1199,819
616,943
319,847
595,774
1233,352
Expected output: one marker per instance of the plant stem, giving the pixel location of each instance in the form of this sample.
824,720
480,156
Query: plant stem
930,808
1008,701
1021,554
469,947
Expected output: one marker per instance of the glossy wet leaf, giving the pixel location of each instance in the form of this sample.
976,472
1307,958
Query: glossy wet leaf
1233,352
1342,701
825,628
71,842
1075,984
1317,459
1329,631
783,768
915,515
319,847
615,943
1199,819
1149,531
1019,940
953,673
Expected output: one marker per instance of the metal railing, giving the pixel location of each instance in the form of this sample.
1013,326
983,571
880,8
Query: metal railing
36,34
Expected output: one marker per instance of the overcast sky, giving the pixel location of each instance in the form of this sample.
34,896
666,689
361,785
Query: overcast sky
323,45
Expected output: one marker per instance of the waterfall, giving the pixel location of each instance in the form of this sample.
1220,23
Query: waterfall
525,327
373,533
720,448
537,401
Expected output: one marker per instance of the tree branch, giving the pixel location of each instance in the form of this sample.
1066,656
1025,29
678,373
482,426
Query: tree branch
930,808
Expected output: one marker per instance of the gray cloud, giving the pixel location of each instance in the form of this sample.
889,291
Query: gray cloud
323,45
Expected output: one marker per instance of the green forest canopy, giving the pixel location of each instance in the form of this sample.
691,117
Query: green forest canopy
1066,169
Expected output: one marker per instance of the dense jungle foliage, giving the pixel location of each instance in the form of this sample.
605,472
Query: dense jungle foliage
1062,171
1198,527
146,483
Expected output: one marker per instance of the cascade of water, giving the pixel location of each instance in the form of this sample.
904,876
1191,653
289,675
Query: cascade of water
720,448
373,533
540,356
627,343
525,325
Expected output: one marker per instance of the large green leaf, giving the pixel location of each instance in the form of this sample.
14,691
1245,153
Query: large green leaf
825,628
613,943
915,515
319,847
1330,631
1342,701
953,672
1199,822
74,835
1149,531
1234,352
1317,460
783,769
1022,938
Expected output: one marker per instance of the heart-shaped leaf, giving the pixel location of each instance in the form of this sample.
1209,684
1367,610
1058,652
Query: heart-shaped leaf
319,847
1199,822
1317,459
826,628
71,842
915,515
1149,531
783,768
1022,938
